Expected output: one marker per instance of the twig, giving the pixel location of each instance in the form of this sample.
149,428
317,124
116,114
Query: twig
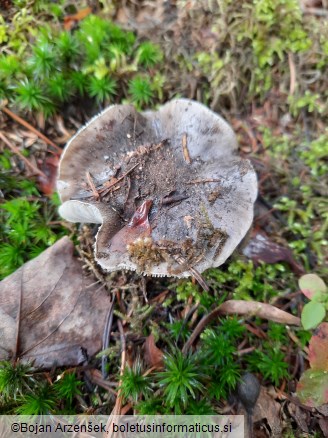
296,340
21,156
106,337
118,403
173,199
185,150
95,377
193,271
245,351
199,278
203,181
92,185
259,333
295,401
250,135
240,307
190,313
144,288
149,371
108,186
31,128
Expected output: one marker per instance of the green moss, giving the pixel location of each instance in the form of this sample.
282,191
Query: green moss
55,66
25,230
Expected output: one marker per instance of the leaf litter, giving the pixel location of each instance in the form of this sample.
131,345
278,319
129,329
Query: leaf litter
46,310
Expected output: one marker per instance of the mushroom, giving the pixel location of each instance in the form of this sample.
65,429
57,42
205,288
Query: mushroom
171,193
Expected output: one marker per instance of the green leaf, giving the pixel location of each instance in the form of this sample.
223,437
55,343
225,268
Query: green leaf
313,313
312,286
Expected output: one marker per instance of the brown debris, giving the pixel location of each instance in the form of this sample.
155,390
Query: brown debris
108,186
21,156
204,181
153,355
71,20
185,150
31,128
269,409
92,185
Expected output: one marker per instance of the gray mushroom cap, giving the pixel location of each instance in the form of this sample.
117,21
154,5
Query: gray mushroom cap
174,194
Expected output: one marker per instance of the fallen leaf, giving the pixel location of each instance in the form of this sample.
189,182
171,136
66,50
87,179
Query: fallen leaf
312,389
267,408
301,416
153,355
323,423
323,410
50,312
311,285
318,348
261,249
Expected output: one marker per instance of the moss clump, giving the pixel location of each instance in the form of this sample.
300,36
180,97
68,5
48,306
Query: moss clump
98,60
144,253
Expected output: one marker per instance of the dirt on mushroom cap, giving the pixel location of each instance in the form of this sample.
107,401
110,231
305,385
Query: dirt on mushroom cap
154,157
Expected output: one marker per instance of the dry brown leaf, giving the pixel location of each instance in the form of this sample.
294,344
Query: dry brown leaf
49,310
301,416
268,409
323,423
153,355
261,248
